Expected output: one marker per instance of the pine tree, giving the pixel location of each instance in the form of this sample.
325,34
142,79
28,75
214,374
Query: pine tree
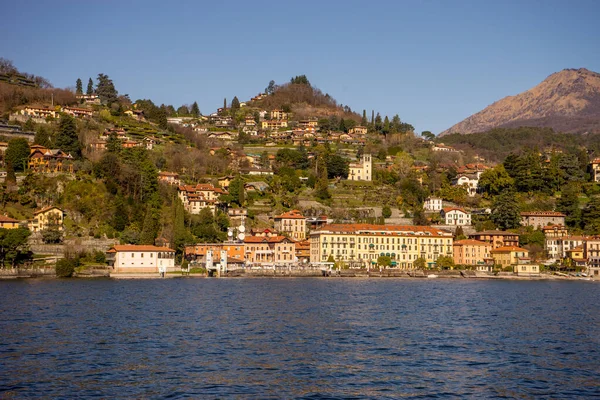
42,137
67,139
195,111
90,87
505,211
79,86
106,90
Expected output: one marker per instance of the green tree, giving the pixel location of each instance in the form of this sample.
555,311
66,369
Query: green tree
385,261
568,203
184,110
300,80
79,86
106,90
235,105
505,211
65,267
495,180
337,166
11,177
161,118
322,185
386,211
67,139
13,243
180,233
444,262
90,87
17,153
271,88
591,216
151,226
120,217
114,144
195,111
420,263
364,121
427,135
42,137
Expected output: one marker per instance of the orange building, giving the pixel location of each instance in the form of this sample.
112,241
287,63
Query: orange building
269,250
198,251
471,252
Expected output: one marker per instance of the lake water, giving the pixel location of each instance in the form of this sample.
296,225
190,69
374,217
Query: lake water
299,338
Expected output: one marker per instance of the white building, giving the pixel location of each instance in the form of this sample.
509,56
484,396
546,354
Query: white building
361,171
557,247
469,181
456,216
140,259
433,204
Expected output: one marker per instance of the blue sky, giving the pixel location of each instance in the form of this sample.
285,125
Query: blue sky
432,62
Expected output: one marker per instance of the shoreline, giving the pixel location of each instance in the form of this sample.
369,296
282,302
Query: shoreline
343,274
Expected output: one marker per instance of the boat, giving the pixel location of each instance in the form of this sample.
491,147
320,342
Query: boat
432,276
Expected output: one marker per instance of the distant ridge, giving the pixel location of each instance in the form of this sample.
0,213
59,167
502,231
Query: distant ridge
567,101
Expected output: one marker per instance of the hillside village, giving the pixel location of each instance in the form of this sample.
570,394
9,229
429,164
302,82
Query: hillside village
287,177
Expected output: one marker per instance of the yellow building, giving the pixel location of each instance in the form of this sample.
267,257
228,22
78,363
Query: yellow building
362,244
361,171
47,217
292,223
8,223
274,124
506,256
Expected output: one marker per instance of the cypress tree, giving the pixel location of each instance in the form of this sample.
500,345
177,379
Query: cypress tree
79,86
90,87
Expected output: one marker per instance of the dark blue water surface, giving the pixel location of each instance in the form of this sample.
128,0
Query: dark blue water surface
299,338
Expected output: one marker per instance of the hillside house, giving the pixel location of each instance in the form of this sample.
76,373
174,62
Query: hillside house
279,114
358,130
497,238
171,178
44,160
77,112
361,171
455,216
46,218
433,204
539,219
196,198
274,124
8,223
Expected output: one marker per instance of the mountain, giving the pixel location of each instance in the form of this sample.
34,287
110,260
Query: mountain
567,101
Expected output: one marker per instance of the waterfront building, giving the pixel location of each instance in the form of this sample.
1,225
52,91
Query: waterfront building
506,256
131,258
269,250
471,252
455,216
291,223
557,247
497,238
273,124
362,244
361,171
575,257
197,252
540,219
